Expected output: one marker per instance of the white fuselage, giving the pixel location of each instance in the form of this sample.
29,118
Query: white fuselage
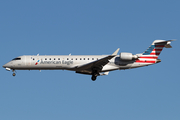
90,64
71,62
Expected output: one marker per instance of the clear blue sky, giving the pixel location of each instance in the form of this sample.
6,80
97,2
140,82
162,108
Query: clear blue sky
92,27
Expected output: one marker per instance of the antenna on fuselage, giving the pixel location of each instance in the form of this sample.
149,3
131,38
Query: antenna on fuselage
70,54
38,54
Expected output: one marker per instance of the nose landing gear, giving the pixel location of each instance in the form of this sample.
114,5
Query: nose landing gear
14,74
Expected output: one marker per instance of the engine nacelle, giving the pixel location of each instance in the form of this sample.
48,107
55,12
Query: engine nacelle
127,56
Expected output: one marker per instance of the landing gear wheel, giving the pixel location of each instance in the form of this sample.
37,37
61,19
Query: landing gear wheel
93,78
14,74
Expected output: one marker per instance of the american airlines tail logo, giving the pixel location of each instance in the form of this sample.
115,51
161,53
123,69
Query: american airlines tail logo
37,62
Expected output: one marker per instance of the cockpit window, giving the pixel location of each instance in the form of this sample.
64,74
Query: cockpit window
16,59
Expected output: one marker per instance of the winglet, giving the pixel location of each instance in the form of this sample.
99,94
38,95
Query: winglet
116,52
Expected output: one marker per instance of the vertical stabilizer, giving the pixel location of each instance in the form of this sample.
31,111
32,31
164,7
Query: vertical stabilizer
152,53
156,47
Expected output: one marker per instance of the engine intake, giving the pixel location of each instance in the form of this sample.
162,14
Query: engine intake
128,56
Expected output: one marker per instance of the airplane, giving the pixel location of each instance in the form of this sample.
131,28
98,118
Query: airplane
94,65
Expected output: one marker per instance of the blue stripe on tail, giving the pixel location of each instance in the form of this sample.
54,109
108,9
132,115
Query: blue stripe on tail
149,50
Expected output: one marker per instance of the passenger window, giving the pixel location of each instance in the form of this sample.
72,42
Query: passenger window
88,58
54,58
49,58
58,58
80,58
84,59
45,58
67,58
71,58
76,58
92,58
33,58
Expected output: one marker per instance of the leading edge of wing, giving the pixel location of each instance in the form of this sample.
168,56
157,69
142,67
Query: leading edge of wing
98,63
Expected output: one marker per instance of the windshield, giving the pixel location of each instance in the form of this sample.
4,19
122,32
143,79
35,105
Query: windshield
16,59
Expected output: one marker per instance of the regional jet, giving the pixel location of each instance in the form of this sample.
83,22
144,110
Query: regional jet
94,65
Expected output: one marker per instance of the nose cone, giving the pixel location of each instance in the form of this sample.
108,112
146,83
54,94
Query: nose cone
5,65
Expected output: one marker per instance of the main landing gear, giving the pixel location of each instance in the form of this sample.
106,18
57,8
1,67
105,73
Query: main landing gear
94,76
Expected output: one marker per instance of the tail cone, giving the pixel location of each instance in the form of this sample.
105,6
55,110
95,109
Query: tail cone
158,60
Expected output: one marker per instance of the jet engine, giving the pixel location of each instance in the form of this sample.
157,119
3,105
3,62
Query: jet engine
128,56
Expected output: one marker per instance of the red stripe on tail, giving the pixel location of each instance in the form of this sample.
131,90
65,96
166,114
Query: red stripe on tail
157,49
154,53
159,45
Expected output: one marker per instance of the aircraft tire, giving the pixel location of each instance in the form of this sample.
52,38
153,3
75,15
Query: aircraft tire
93,78
14,74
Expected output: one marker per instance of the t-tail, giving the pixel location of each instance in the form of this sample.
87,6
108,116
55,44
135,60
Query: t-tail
152,53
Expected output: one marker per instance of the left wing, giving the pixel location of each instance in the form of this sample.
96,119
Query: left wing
97,65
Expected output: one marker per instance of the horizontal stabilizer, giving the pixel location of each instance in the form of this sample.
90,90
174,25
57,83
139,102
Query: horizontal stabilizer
166,43
168,46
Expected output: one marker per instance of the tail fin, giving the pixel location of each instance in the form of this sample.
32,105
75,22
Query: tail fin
156,47
153,52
